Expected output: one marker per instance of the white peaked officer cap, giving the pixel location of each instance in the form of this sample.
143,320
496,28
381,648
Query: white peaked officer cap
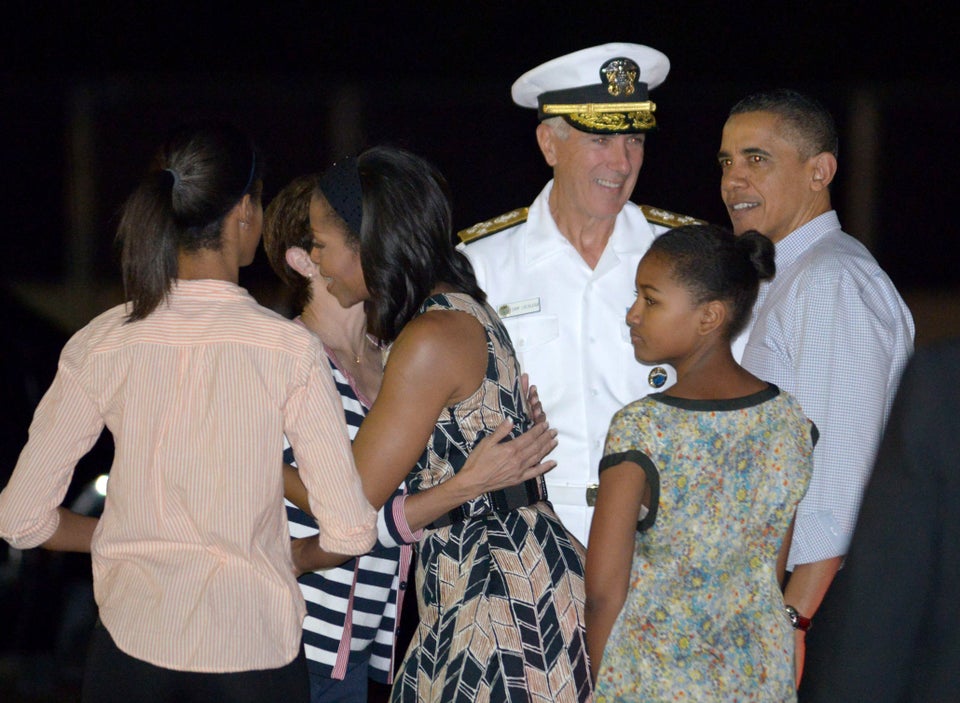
602,89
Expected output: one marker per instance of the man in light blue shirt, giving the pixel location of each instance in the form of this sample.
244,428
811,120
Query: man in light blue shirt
830,328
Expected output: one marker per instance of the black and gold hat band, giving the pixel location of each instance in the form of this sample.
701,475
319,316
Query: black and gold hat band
613,118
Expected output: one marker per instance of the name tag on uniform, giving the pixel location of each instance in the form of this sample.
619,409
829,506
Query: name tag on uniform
521,307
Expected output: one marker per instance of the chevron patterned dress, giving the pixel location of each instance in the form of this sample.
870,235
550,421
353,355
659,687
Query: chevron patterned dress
500,594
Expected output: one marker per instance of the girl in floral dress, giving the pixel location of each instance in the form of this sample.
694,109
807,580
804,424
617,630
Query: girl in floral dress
698,489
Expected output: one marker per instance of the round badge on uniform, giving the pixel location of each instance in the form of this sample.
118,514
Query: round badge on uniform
657,377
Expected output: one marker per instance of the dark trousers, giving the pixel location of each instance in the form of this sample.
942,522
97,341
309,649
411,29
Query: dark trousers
114,677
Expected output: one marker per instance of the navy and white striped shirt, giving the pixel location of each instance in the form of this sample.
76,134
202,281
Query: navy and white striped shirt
352,609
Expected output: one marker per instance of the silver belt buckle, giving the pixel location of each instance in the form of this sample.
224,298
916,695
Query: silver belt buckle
591,494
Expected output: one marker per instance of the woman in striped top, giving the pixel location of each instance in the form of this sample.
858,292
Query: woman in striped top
198,385
352,609
499,581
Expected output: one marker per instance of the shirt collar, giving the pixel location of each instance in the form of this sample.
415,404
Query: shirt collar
207,288
545,239
791,247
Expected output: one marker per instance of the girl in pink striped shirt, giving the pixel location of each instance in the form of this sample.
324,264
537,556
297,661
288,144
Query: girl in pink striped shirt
198,384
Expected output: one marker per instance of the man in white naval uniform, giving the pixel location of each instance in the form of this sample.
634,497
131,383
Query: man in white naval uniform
561,272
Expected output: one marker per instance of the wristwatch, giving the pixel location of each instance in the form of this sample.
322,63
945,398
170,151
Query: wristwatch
797,620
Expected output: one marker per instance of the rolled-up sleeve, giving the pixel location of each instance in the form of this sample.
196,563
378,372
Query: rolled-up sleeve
317,433
65,426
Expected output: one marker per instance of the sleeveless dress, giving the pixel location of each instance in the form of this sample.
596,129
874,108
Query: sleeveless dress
501,594
704,617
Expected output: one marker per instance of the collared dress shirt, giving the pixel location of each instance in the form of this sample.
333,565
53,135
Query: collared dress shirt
568,325
832,330
191,558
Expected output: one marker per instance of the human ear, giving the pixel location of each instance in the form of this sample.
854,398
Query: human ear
824,169
546,139
713,315
246,206
299,260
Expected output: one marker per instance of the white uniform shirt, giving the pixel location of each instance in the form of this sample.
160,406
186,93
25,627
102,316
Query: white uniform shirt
831,330
567,323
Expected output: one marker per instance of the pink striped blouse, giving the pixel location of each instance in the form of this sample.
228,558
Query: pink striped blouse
191,559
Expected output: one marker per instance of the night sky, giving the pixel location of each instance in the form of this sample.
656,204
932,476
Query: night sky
435,78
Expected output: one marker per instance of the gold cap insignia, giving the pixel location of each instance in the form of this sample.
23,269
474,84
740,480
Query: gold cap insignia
620,75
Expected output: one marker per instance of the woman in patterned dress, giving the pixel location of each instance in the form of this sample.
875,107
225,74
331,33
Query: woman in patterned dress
698,488
499,580
343,643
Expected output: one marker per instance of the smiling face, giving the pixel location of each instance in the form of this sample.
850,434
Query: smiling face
665,318
594,174
338,262
766,183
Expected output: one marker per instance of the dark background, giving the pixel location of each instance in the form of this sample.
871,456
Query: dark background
88,89
311,79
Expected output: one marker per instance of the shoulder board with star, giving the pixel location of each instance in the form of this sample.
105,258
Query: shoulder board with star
497,224
667,218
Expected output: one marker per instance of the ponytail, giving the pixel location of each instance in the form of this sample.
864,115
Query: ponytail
201,173
759,251
148,232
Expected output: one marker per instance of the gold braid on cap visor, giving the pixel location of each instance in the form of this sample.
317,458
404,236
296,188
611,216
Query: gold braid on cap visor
609,117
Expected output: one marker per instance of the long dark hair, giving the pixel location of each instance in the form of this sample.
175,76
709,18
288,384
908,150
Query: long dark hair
713,264
405,239
199,174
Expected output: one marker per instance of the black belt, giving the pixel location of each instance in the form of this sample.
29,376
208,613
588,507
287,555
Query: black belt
523,494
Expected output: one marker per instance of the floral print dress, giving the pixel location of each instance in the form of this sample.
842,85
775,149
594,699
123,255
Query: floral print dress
704,617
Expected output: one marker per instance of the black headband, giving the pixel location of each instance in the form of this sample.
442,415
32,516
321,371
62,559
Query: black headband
340,185
253,171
